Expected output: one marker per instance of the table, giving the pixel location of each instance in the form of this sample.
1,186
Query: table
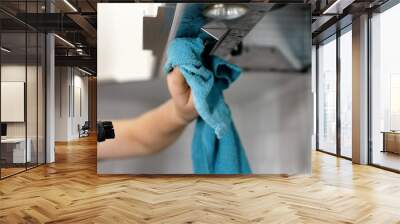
16,153
391,141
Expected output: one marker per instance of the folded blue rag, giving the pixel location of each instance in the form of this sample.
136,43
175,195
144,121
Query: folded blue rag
216,147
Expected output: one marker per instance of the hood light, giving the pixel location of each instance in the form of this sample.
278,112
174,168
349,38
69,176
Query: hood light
225,11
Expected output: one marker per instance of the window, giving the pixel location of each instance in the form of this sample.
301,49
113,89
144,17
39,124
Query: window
394,102
385,89
327,96
22,101
346,93
334,138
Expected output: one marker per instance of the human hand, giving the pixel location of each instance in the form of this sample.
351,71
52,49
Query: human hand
181,96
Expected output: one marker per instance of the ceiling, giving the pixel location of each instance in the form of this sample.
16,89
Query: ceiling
76,22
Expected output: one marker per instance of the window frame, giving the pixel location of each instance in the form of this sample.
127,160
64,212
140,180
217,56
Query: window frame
378,10
27,29
334,37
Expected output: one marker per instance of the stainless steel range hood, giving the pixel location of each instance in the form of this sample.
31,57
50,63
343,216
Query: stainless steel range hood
272,37
267,38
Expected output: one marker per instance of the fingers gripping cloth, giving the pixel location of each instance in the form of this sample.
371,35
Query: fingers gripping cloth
216,146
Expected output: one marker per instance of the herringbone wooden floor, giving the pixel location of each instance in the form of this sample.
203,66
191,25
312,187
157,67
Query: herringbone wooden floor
70,191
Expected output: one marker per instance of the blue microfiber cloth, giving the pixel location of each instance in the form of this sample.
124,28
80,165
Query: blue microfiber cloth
216,146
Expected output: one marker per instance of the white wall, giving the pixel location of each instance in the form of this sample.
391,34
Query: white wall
273,114
12,73
62,81
115,63
69,82
12,101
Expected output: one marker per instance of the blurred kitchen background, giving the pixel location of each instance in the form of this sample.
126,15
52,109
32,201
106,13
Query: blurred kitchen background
271,102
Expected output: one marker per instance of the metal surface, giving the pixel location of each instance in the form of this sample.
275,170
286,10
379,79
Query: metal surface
86,61
215,30
84,24
253,58
274,37
320,22
225,11
156,31
338,6
229,33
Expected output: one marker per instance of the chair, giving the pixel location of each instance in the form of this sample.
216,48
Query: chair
84,130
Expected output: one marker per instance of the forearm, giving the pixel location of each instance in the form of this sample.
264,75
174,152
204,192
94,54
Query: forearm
147,134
